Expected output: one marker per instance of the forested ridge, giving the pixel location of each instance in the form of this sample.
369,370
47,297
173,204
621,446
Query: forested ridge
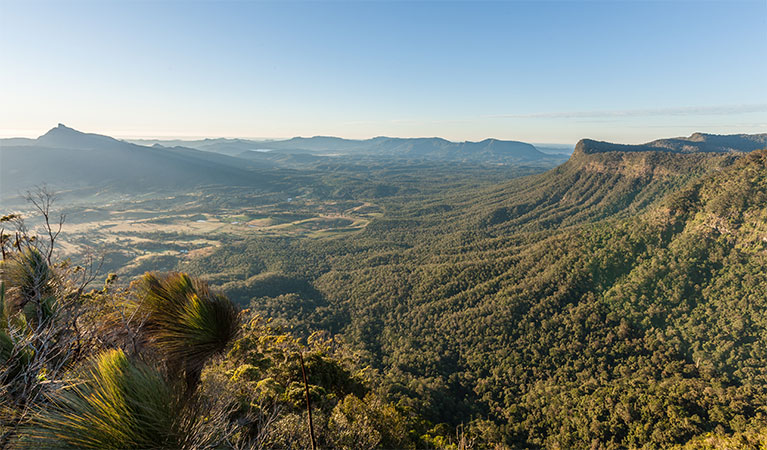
616,301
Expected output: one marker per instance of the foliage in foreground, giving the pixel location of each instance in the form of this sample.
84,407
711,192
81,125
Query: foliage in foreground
115,403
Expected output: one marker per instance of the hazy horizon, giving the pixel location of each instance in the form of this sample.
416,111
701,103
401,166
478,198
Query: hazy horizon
34,135
266,139
529,71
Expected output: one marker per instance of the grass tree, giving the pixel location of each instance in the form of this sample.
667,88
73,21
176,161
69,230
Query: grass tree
116,403
30,285
185,322
32,344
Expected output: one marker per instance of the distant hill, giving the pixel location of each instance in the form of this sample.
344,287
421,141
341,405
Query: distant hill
698,142
69,159
556,149
225,146
492,151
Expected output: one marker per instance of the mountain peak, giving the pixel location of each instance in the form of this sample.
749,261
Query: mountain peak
66,137
60,128
698,137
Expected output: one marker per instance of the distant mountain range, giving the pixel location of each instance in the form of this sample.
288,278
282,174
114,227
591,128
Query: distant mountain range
70,159
487,151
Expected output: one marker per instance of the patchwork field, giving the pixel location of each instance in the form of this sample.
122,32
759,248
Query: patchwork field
134,237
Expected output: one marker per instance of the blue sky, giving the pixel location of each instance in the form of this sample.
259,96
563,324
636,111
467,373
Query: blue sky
536,71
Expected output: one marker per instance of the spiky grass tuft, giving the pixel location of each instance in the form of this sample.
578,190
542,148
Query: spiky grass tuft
185,321
29,283
116,404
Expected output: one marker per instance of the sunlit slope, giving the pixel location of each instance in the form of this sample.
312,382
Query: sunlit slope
587,188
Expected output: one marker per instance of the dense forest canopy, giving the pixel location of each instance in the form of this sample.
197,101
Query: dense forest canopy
615,300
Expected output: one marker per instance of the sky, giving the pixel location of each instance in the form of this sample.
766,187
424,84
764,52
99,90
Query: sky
543,71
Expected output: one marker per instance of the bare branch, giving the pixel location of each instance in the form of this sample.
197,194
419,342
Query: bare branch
43,199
